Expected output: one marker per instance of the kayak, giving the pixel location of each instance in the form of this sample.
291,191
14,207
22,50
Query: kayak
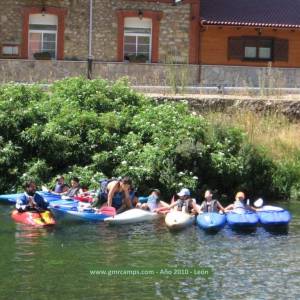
64,203
242,221
39,219
273,217
211,222
72,212
12,198
134,215
178,220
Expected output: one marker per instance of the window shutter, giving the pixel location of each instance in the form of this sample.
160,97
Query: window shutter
235,48
281,49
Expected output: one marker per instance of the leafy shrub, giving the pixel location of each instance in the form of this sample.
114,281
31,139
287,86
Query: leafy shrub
95,129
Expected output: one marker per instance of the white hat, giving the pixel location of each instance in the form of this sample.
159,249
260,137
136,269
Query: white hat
259,202
184,192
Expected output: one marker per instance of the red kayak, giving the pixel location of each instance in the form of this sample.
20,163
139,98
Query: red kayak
39,219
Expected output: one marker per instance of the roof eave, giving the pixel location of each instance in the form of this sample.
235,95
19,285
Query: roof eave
249,24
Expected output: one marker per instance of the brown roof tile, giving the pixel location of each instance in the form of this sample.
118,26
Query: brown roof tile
257,13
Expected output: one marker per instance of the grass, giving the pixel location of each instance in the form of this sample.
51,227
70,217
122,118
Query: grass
273,131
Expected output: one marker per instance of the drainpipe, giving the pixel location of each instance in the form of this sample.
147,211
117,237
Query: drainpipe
90,56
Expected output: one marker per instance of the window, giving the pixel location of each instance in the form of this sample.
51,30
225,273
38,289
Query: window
42,36
258,48
137,39
10,50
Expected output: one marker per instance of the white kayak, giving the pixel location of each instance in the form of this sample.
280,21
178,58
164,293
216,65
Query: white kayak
134,215
179,220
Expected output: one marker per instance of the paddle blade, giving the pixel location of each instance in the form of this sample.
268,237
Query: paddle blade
44,188
108,210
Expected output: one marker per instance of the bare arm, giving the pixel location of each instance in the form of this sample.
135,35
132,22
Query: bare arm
173,205
164,204
113,188
220,207
229,207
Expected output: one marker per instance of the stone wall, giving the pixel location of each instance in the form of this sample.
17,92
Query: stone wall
264,106
237,76
138,74
173,36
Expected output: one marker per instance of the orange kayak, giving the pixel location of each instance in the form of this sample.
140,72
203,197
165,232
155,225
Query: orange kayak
39,219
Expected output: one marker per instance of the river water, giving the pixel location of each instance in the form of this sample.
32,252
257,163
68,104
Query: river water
60,263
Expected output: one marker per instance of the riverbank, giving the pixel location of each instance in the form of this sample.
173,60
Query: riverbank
99,129
287,105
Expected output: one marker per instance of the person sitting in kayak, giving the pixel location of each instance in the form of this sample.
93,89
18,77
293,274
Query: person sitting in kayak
31,200
239,205
75,189
153,202
185,203
60,186
209,204
118,194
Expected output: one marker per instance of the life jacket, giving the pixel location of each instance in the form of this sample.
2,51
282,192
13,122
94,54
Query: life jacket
239,206
118,197
213,207
184,205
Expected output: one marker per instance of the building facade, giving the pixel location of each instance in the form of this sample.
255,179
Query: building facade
250,33
217,41
121,30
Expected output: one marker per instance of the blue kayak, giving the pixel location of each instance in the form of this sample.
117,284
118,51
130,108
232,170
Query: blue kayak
12,198
211,222
66,210
274,217
247,221
69,203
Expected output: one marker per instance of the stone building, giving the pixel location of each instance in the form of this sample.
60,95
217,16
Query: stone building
119,30
153,42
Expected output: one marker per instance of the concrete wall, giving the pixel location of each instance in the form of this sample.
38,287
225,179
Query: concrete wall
139,74
152,74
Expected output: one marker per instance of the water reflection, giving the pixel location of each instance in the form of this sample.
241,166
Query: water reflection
57,261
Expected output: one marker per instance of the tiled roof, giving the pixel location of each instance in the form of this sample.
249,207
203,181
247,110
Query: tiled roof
257,13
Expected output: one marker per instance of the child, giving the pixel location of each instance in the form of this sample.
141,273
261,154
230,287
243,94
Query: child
185,203
210,205
153,203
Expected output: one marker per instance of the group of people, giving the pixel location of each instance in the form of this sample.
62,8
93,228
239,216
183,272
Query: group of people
119,194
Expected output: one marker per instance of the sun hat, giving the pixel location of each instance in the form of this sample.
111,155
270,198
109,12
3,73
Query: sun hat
184,192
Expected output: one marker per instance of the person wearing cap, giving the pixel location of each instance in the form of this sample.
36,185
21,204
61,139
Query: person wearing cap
239,205
153,202
210,204
185,203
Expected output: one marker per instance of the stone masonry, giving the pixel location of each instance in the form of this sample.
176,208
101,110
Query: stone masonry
173,35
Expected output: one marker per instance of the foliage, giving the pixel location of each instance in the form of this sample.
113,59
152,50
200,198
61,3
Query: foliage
95,129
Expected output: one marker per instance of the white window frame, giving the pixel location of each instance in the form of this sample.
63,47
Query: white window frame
136,35
43,19
43,31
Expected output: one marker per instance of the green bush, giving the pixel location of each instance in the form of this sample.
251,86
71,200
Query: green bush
95,129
